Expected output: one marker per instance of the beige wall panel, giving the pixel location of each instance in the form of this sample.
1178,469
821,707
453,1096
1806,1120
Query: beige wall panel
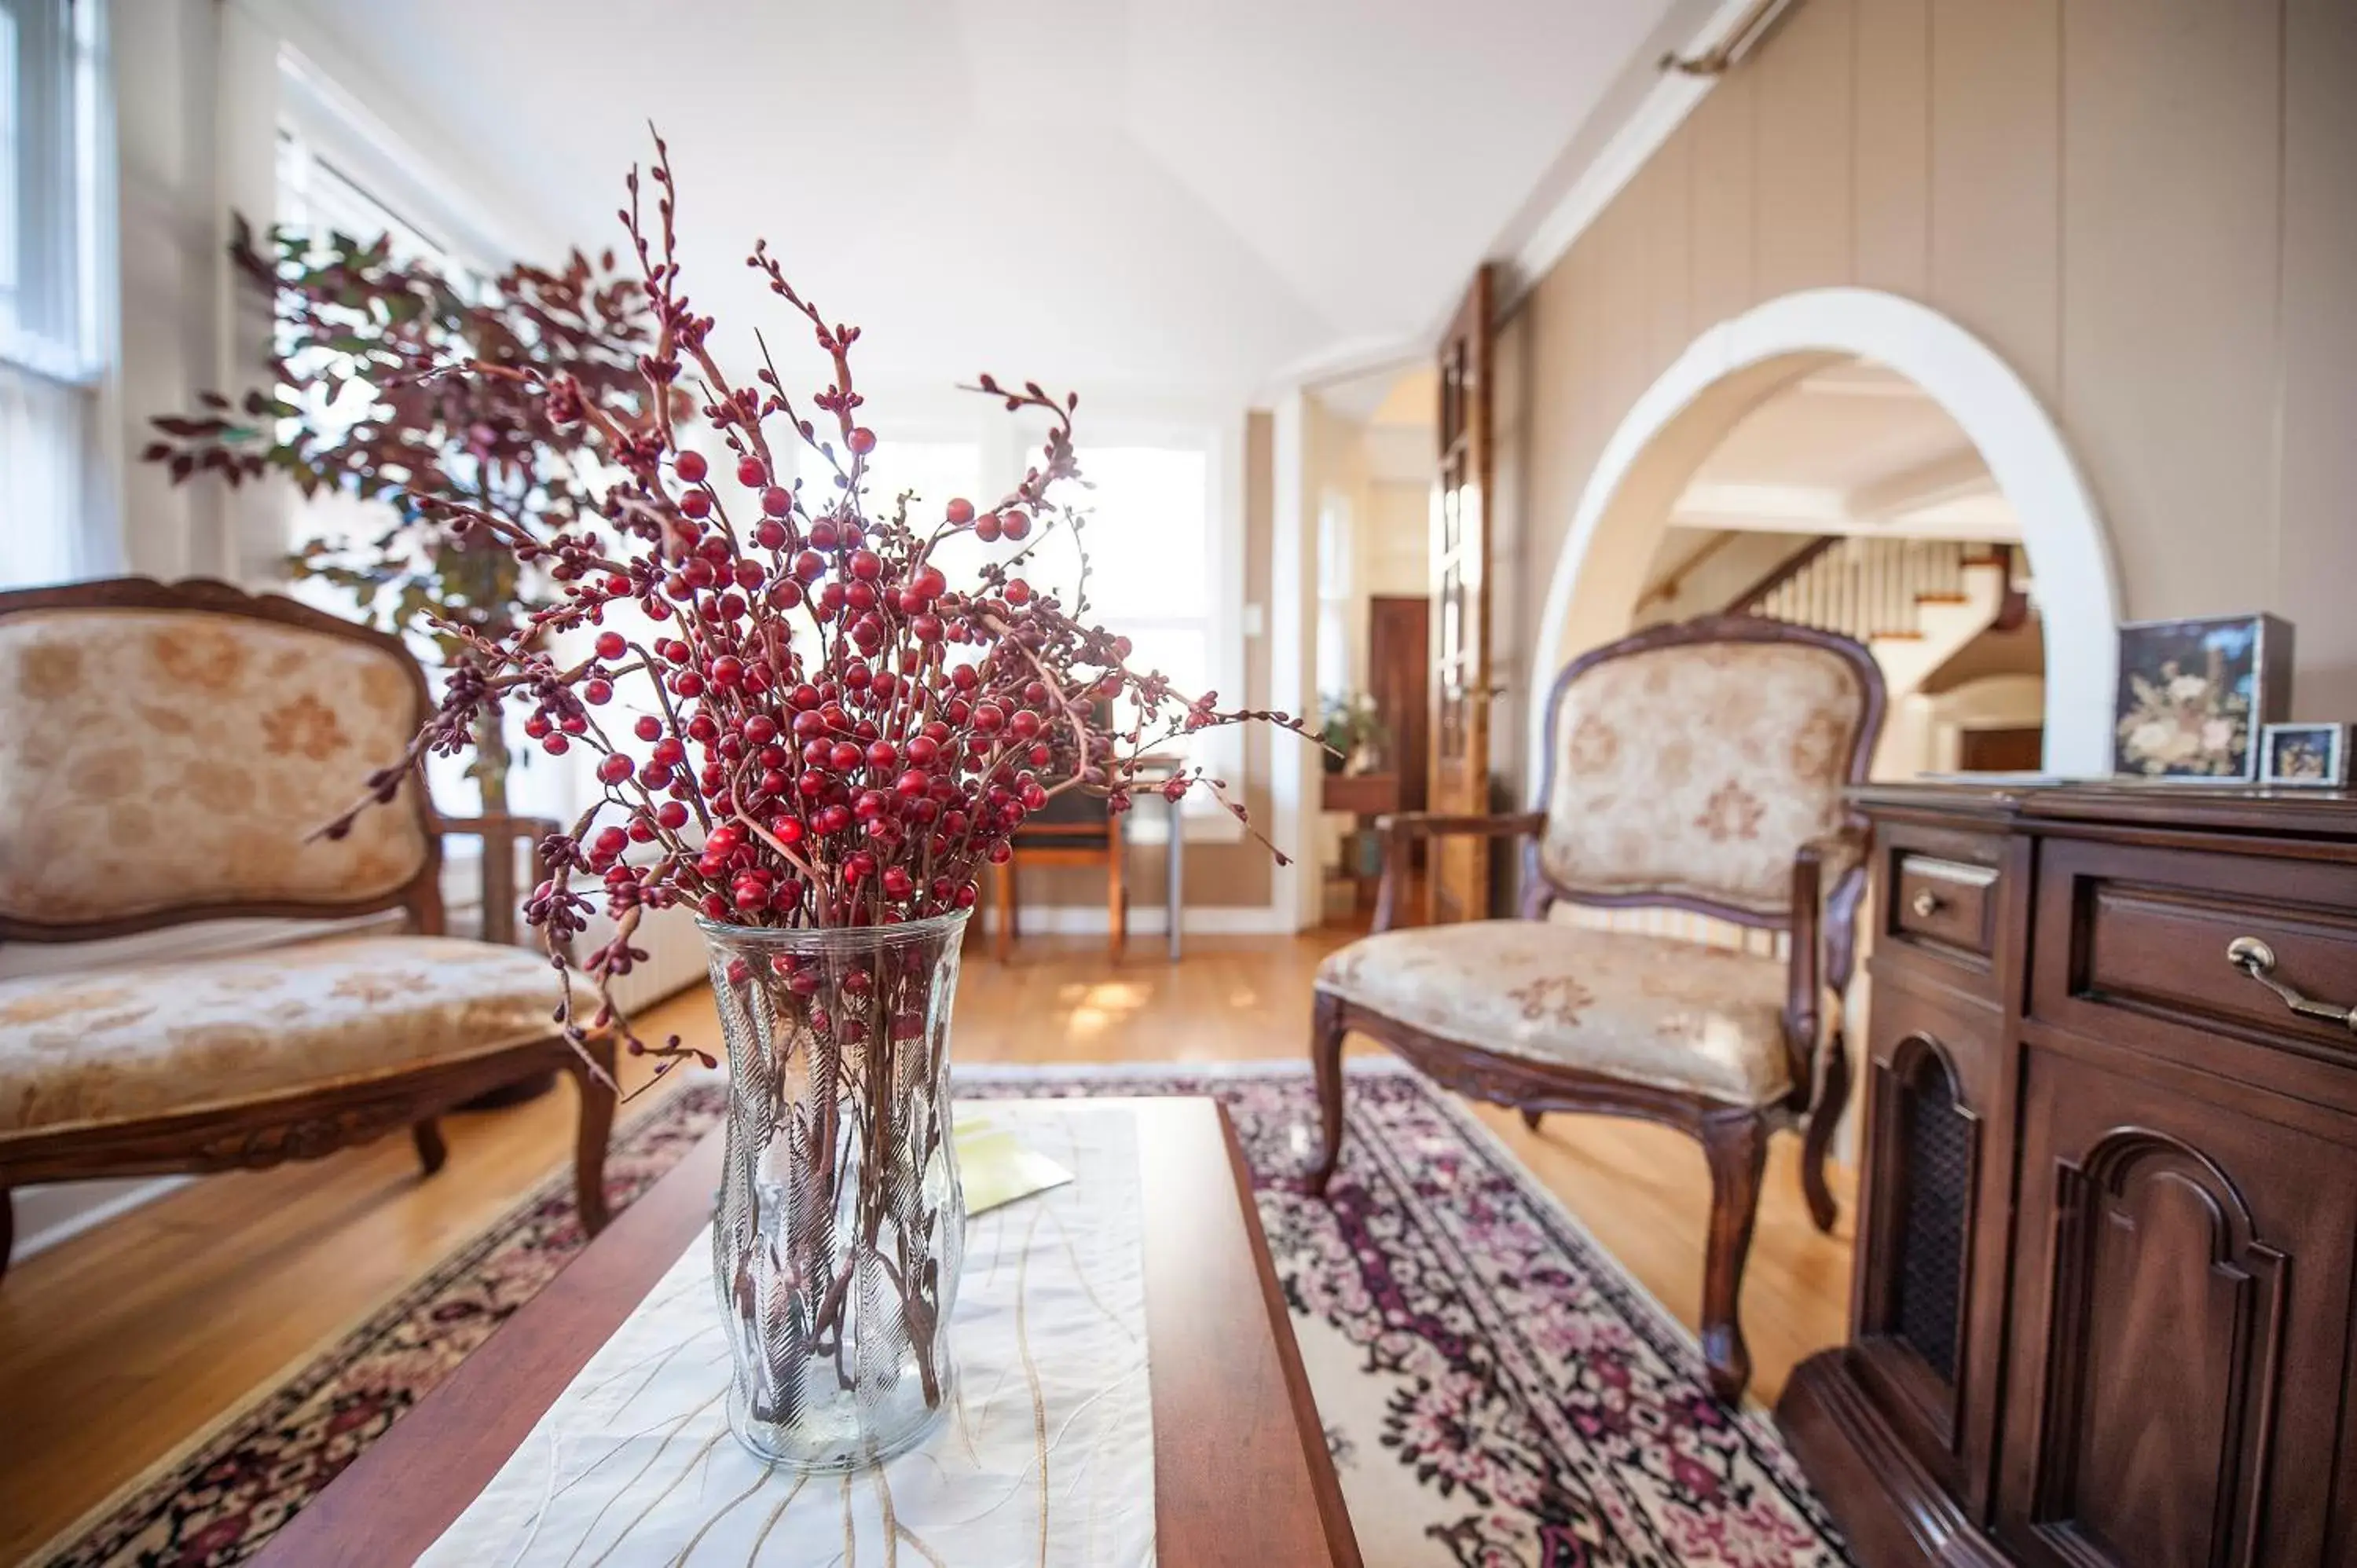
2171,216
1802,114
1995,169
1663,192
2316,564
1720,133
1890,167
1623,287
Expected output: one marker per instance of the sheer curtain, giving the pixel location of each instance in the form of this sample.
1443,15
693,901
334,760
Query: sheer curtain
48,481
54,521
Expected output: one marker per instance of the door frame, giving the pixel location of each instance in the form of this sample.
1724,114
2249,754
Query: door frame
1729,371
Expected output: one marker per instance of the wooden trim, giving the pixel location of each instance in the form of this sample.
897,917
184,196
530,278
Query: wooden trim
421,896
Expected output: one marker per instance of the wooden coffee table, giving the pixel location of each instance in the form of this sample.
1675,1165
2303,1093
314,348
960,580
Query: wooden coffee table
1240,1473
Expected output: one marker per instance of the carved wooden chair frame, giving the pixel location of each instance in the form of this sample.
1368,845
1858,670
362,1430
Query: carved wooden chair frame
306,1123
1821,926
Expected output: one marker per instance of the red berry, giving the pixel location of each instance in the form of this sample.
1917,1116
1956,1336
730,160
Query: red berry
777,500
1017,591
787,831
649,727
823,535
810,566
882,753
861,440
556,745
1016,524
770,534
912,783
614,768
760,729
844,757
867,565
672,814
987,528
597,689
922,750
926,627
695,503
961,512
751,473
610,645
897,883
690,467
727,670
687,683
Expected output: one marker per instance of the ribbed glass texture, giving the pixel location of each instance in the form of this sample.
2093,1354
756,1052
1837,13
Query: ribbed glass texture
836,1247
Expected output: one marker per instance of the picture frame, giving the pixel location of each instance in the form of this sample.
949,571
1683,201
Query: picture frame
2304,756
2193,694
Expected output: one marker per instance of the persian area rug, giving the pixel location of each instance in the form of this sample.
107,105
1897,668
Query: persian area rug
1495,1390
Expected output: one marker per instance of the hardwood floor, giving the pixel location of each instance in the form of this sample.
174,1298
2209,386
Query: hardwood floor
121,1345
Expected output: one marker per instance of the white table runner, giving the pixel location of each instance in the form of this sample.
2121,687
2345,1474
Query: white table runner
1046,1457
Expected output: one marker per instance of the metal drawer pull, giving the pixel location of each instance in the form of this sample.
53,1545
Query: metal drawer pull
1927,904
2257,960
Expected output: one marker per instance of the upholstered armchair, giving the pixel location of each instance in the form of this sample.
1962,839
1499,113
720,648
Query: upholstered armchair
1700,768
164,753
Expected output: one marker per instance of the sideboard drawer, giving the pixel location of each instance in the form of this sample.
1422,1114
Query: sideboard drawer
1950,903
2151,933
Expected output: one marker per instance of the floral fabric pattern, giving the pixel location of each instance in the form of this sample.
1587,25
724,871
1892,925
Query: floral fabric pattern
1641,1008
1700,770
249,734
110,1045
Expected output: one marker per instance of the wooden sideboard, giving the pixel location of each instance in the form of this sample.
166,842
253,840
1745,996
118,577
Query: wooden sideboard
2102,1308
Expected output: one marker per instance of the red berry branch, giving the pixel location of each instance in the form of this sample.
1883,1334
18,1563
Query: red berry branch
830,732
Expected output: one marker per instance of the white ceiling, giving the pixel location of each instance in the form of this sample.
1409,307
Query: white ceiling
1852,448
1174,201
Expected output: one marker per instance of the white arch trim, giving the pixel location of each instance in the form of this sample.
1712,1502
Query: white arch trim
2070,552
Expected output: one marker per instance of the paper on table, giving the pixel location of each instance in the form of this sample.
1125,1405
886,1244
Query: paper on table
994,1166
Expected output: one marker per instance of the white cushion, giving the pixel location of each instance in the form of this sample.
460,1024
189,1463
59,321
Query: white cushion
1641,1009
117,1045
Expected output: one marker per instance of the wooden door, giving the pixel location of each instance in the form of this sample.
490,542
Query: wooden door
1458,887
1399,644
2182,1311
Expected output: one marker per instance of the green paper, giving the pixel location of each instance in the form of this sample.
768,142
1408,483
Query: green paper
995,1167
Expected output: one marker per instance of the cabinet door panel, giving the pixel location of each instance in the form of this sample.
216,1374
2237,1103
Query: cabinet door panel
2181,1297
1931,1231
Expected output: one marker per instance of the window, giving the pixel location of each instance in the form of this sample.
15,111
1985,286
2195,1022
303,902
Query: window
1160,558
50,490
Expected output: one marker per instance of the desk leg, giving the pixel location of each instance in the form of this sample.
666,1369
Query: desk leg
1173,893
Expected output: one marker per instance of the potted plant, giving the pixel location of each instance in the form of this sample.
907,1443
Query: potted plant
1354,733
805,732
359,334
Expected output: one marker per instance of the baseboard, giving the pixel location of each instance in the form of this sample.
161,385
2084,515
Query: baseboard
51,1212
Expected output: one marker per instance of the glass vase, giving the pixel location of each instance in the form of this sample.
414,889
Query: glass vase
841,1225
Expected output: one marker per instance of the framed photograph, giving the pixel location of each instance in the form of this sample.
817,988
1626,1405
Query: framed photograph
2313,757
2192,695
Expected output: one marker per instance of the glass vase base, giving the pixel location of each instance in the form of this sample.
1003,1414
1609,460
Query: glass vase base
829,1441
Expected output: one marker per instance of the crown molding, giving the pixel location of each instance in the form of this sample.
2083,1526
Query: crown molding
1608,152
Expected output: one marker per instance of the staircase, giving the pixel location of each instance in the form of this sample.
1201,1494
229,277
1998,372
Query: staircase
1913,602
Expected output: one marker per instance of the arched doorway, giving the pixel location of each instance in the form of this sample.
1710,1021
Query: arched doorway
1726,373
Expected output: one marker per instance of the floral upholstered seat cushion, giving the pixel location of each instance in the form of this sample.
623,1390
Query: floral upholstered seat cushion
112,1045
1641,1009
